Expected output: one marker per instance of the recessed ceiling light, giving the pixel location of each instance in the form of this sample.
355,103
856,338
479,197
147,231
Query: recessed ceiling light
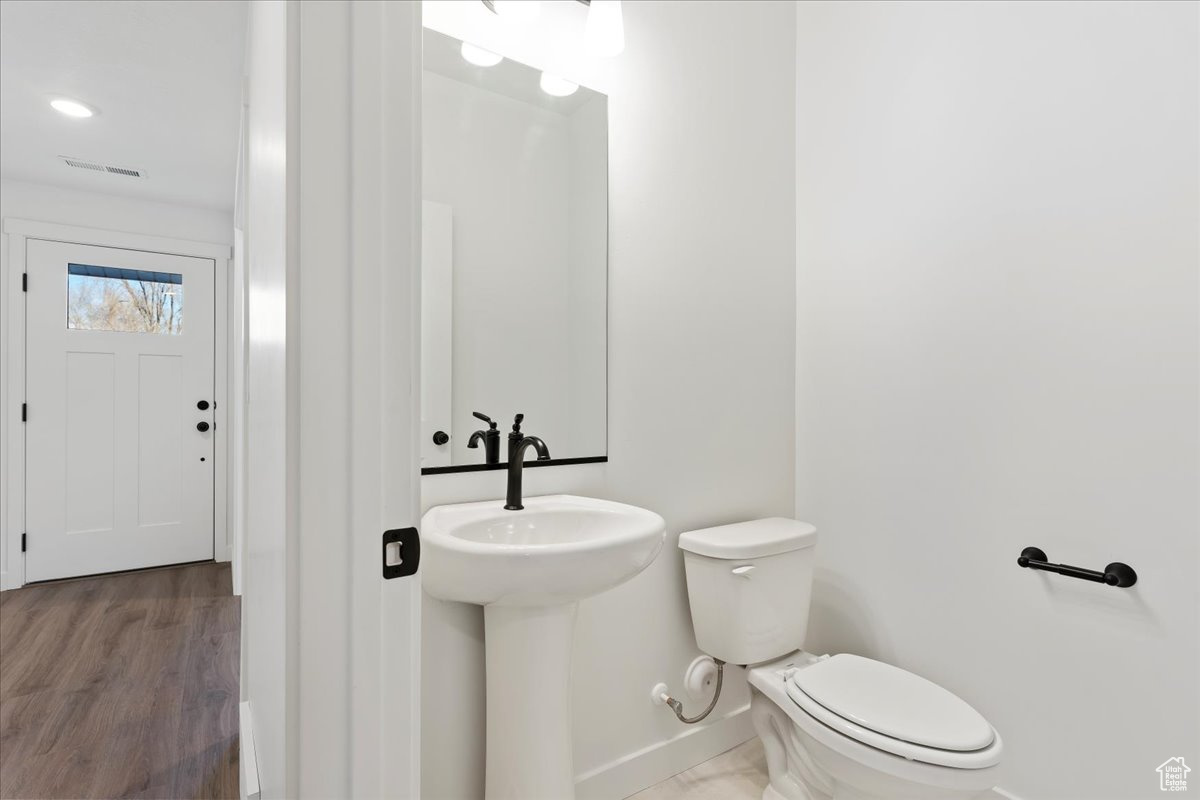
72,108
559,87
480,57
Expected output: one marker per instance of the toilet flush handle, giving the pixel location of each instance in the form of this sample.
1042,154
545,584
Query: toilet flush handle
744,570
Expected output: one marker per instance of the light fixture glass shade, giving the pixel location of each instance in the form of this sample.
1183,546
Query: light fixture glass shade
72,108
480,57
518,11
559,87
605,32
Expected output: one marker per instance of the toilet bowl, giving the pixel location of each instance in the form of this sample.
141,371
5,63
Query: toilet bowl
839,727
826,754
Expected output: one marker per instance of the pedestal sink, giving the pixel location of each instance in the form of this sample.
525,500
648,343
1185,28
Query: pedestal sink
529,569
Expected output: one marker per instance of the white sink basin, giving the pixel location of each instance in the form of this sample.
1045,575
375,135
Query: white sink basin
557,550
528,569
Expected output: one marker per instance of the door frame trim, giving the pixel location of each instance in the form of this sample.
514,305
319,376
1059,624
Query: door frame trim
12,486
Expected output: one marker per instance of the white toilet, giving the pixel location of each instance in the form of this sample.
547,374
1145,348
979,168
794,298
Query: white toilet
841,727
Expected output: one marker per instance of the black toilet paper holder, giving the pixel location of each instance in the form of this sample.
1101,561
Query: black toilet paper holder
1115,574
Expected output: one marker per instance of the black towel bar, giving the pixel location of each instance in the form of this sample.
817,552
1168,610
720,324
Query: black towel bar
1115,574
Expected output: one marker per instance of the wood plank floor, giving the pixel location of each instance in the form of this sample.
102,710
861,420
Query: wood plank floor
121,686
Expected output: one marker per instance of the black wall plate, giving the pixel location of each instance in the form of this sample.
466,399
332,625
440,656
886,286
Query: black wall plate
410,552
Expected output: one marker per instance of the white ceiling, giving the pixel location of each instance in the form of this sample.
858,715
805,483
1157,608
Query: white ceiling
165,76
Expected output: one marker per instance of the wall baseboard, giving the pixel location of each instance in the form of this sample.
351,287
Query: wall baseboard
643,768
247,758
4,584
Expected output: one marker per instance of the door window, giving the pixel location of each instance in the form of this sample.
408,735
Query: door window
130,300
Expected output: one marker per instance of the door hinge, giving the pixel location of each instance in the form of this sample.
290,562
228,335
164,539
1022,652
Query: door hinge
24,281
23,535
24,412
401,552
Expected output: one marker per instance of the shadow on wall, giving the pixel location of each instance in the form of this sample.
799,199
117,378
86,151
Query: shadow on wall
1123,608
838,622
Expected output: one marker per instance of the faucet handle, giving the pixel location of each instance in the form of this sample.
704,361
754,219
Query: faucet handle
517,423
484,417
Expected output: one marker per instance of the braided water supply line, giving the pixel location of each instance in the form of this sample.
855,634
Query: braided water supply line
677,706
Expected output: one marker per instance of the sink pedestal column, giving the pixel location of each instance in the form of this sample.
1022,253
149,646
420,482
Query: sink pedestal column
529,736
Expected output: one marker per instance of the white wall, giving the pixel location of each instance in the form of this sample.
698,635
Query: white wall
998,325
31,201
333,180
701,405
268,631
110,212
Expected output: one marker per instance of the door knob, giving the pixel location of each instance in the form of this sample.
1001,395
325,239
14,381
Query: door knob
202,426
441,437
202,405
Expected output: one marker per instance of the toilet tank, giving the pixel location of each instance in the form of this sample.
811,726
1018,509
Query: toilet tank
749,586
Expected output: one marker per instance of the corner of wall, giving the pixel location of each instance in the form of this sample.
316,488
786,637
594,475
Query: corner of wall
248,759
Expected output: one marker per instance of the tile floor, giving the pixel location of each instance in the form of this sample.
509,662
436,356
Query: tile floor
739,774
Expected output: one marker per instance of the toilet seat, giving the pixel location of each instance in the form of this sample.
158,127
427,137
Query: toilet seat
893,710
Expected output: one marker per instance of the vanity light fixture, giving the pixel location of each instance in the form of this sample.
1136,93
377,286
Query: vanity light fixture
518,11
72,108
605,32
480,57
556,86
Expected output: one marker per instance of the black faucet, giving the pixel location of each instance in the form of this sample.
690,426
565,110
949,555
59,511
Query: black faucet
490,437
516,468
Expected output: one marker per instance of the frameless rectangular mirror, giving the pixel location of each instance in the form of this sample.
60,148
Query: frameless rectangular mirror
514,262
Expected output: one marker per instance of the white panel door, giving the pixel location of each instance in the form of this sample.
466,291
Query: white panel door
120,363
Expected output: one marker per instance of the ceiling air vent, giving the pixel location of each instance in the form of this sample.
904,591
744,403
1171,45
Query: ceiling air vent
79,163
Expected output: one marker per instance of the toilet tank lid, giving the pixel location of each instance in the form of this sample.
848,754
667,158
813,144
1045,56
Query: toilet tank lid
754,539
